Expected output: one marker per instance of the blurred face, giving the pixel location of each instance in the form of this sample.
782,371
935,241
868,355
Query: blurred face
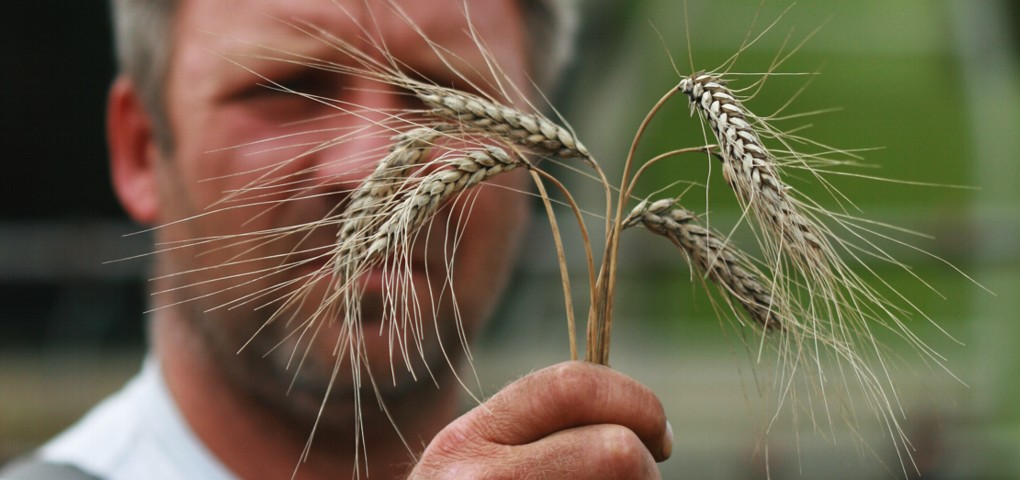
231,134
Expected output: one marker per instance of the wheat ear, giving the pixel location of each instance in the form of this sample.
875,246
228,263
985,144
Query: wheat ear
716,258
481,115
362,212
388,238
750,169
419,203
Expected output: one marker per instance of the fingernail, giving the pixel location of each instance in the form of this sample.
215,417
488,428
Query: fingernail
667,441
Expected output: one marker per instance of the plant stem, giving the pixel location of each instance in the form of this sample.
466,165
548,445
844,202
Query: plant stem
600,322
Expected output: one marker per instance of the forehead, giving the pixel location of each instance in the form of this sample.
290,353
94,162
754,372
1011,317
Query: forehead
247,26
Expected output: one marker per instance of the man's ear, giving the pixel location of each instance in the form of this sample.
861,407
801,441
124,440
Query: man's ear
133,152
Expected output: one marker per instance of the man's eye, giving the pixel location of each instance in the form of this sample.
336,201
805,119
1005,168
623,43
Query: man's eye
261,92
289,87
306,84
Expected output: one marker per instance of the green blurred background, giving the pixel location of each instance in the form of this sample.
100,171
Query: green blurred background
931,88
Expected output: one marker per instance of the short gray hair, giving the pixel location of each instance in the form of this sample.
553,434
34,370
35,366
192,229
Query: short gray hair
143,31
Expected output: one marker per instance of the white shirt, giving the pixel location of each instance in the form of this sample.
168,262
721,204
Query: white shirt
138,433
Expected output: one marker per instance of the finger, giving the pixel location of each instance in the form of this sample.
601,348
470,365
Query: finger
570,395
595,451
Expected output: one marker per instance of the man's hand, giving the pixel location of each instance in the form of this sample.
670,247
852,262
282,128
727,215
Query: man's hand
572,420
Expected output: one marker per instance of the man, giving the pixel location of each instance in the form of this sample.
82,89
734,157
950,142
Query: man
188,125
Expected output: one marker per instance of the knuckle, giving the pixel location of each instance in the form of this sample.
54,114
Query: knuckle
622,454
574,378
570,371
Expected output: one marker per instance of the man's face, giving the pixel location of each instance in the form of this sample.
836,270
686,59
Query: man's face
229,134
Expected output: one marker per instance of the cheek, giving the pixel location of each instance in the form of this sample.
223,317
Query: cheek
238,161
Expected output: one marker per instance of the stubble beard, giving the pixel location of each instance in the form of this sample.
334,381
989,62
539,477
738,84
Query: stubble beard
309,378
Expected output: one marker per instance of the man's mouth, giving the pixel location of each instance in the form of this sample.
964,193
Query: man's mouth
383,279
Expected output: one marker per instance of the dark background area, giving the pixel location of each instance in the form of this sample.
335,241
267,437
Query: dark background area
59,62
56,206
